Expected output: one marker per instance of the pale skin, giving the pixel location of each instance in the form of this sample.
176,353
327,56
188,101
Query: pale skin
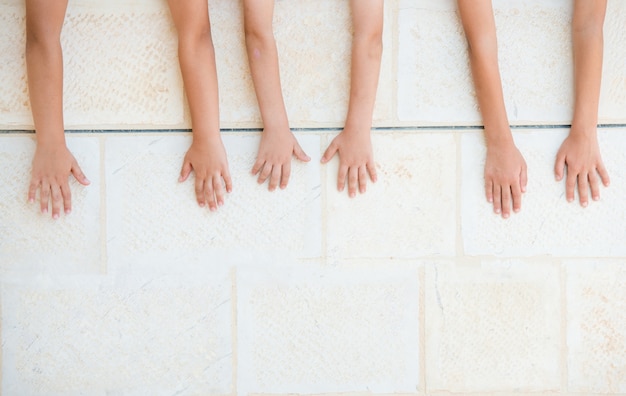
505,169
353,144
278,144
580,153
206,156
52,163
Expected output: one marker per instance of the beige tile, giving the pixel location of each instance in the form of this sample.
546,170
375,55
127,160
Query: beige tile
537,76
547,223
33,242
492,326
153,217
596,318
328,330
409,212
141,336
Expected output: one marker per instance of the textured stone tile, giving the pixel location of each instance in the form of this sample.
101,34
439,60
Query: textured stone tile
492,327
329,330
160,335
596,318
547,224
153,217
613,93
412,205
120,63
33,242
434,75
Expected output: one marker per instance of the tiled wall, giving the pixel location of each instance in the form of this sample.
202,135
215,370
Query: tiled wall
415,287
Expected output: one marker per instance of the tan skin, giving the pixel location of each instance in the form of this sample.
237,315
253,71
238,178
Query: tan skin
52,163
353,144
278,144
206,156
580,153
505,169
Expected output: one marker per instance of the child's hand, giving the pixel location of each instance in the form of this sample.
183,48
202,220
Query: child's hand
208,161
274,158
52,166
581,154
356,160
505,178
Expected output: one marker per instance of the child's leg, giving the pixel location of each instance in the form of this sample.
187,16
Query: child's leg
580,151
52,163
505,168
353,144
278,144
206,155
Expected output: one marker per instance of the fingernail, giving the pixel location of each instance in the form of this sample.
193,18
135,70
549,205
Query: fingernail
213,208
506,215
570,199
55,216
31,200
497,211
584,204
352,195
68,211
201,204
516,210
596,198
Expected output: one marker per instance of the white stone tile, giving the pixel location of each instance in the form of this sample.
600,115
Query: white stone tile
547,223
152,217
613,93
328,330
34,242
493,326
433,69
409,212
596,318
158,335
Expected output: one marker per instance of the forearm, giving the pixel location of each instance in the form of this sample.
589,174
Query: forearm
264,66
197,64
480,30
587,38
367,48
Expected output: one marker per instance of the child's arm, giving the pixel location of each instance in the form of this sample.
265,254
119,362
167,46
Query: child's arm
354,144
505,168
580,151
206,156
278,144
52,163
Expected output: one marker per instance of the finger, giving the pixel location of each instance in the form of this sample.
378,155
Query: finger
604,175
228,181
559,166
497,199
185,171
66,193
330,152
265,173
341,177
524,178
79,175
44,197
362,178
258,165
199,185
506,201
353,179
57,201
489,190
275,177
209,194
371,168
570,185
583,189
300,154
219,189
594,183
286,174
516,191
32,190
